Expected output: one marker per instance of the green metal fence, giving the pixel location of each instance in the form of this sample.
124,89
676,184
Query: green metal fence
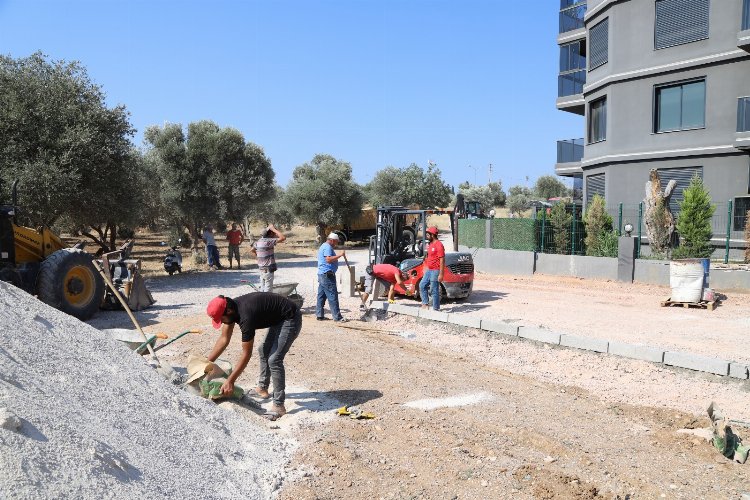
541,234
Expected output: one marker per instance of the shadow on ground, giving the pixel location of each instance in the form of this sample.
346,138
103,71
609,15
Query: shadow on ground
327,401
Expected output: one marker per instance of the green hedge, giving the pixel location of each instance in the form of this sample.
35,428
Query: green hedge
471,232
514,234
507,234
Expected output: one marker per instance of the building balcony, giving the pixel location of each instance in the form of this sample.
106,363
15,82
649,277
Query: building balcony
742,137
569,156
570,92
571,15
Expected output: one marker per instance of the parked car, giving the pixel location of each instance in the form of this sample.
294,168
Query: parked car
458,277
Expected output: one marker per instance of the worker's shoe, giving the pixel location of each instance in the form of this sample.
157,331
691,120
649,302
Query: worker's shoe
278,410
263,393
342,320
363,308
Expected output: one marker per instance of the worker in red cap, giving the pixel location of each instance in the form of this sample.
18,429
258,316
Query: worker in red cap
252,312
434,265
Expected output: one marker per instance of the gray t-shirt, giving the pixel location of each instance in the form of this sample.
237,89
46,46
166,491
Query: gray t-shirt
264,249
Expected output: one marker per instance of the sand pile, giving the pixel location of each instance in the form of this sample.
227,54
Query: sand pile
81,416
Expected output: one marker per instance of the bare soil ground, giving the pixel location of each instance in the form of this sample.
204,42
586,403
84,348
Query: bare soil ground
464,414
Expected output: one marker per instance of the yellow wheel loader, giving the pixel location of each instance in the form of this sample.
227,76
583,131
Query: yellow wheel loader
38,261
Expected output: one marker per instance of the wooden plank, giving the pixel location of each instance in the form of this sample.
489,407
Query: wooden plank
710,305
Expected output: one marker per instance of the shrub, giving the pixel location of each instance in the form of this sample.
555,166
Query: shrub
560,221
598,222
694,222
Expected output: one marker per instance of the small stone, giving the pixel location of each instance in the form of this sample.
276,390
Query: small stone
8,420
672,486
484,483
548,459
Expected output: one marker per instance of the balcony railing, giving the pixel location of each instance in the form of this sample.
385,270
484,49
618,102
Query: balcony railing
570,150
571,83
743,114
571,14
746,15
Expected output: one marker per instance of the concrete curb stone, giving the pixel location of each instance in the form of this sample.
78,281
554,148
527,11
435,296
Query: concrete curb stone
433,315
585,343
539,334
636,351
464,320
495,326
737,370
696,362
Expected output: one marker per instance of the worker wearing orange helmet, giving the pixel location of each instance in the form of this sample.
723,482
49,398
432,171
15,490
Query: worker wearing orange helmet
434,265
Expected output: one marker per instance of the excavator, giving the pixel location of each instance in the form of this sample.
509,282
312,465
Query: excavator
39,262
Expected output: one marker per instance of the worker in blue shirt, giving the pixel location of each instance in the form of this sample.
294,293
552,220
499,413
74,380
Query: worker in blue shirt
328,264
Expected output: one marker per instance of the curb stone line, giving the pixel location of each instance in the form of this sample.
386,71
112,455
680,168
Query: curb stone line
695,362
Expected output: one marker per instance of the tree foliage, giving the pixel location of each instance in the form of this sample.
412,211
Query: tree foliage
548,186
209,174
408,186
598,228
498,195
560,220
72,155
482,194
518,200
694,222
273,210
323,192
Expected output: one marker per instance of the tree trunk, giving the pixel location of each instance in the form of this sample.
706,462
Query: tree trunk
320,229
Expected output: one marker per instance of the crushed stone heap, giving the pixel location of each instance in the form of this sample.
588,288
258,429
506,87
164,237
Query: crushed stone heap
81,416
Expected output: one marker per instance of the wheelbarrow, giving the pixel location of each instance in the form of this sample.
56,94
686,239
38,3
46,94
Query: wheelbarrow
288,290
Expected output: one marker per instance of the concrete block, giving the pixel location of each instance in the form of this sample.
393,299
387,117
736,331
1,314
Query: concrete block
465,320
348,281
655,272
380,304
539,334
495,261
738,370
695,362
586,343
433,315
403,309
636,351
493,325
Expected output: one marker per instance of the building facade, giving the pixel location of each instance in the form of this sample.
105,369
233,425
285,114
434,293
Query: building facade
660,84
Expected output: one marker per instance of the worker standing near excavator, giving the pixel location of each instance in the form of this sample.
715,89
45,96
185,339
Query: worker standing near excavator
434,266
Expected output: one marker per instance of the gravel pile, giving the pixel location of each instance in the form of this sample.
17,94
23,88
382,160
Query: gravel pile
81,416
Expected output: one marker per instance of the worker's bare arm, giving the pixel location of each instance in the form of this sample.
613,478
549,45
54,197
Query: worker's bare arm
222,342
227,387
279,235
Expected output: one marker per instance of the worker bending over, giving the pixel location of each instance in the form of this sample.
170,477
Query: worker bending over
388,275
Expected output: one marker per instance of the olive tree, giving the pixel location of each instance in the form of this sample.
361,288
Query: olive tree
71,153
322,192
412,185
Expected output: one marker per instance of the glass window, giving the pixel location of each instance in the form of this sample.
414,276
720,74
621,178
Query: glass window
571,15
743,114
680,107
598,120
746,15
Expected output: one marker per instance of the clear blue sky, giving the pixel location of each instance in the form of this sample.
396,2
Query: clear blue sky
373,82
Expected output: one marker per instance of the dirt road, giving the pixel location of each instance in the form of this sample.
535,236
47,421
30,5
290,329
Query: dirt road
508,435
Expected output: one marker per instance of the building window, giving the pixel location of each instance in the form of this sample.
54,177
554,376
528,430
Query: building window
571,14
572,69
680,107
595,184
746,15
680,21
598,120
682,176
743,114
741,206
599,44
577,188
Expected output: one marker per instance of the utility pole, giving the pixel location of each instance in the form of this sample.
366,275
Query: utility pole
489,175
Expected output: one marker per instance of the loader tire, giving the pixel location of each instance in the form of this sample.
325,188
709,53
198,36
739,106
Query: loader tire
69,282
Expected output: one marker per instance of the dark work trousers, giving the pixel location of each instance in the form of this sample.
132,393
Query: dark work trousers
327,290
271,353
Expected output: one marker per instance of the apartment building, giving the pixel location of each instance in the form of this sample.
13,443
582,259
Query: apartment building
661,84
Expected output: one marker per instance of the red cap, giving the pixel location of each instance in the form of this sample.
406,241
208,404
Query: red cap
432,230
216,309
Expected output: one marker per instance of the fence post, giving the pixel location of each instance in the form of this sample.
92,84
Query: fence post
640,235
619,222
573,232
544,220
729,229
